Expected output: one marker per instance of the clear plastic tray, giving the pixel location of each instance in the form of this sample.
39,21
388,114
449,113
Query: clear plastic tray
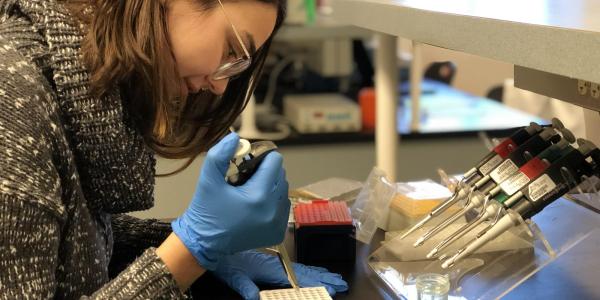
495,269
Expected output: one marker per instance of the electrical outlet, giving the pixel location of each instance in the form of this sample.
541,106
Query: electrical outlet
595,90
582,87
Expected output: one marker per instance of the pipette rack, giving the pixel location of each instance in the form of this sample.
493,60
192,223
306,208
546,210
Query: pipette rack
494,270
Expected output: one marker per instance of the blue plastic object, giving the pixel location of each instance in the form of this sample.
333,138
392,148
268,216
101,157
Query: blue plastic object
243,271
223,219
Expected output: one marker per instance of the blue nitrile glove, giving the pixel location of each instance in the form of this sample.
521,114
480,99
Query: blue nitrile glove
242,271
223,219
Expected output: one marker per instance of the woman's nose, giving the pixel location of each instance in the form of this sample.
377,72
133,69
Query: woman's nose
218,87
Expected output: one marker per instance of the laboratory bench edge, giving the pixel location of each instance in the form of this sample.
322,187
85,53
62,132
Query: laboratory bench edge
445,112
298,139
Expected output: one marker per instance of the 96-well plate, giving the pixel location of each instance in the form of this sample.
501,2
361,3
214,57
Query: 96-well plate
312,293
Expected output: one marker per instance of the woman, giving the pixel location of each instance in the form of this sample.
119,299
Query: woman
89,92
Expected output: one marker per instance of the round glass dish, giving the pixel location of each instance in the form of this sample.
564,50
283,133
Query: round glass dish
431,286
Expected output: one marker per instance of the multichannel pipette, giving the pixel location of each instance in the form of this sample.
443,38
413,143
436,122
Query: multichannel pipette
483,168
559,178
245,162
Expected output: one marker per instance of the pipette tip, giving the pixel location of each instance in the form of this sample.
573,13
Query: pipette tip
419,242
450,262
447,264
432,253
417,226
406,233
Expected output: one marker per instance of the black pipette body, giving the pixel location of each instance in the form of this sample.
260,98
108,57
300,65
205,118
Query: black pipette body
556,181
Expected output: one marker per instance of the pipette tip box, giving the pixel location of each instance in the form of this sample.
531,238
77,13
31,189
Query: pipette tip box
324,233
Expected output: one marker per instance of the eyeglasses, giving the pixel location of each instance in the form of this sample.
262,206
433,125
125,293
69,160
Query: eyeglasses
232,68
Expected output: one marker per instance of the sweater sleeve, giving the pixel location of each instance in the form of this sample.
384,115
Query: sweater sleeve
28,249
132,236
28,258
146,278
32,213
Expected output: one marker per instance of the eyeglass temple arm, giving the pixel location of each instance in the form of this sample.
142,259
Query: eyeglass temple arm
237,35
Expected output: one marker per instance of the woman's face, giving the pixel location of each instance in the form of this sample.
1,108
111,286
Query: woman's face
202,40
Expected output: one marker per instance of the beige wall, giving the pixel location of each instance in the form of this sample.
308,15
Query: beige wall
475,74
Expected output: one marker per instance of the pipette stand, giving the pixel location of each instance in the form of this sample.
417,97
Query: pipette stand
495,269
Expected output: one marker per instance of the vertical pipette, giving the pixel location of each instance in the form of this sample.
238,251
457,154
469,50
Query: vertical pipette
507,168
483,168
529,171
538,194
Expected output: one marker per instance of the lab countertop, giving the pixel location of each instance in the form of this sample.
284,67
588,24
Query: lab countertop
444,112
571,276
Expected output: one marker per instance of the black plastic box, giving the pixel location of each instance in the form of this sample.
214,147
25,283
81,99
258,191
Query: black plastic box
325,244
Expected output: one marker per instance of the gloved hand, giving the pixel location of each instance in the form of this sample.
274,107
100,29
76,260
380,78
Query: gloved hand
223,219
243,270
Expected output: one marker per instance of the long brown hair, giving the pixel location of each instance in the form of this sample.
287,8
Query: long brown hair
127,44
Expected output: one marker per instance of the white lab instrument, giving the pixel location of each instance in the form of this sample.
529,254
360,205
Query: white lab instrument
322,113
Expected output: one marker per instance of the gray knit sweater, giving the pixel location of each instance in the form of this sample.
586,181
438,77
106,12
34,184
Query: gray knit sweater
70,165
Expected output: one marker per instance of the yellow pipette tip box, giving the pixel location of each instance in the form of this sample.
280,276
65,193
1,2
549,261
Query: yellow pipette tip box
417,198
